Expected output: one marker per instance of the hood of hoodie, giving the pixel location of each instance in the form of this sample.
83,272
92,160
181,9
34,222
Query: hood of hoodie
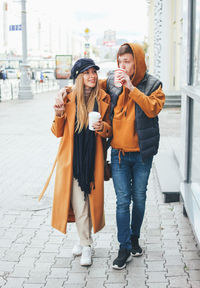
139,60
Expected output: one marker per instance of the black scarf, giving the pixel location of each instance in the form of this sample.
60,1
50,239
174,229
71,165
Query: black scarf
84,157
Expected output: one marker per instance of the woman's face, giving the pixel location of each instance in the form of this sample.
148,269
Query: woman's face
90,78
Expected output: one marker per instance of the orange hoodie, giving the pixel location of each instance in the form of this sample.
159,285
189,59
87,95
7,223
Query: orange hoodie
125,137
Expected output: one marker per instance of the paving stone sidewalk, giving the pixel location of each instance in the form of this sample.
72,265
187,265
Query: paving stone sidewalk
33,255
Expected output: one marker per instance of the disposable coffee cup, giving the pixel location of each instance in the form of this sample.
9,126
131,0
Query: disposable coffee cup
93,118
117,82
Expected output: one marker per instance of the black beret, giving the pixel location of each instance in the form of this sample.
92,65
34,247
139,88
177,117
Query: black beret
82,65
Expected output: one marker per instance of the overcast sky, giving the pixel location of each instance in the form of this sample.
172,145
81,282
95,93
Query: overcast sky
56,17
127,17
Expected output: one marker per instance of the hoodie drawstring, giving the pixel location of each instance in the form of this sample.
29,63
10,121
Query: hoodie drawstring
119,155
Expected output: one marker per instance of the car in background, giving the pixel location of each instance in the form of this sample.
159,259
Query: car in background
48,74
11,73
105,68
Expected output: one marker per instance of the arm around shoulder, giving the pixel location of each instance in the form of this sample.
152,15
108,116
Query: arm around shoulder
103,84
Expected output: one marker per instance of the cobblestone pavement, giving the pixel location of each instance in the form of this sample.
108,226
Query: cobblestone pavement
33,255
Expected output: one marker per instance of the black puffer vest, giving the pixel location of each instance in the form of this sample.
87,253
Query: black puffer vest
146,128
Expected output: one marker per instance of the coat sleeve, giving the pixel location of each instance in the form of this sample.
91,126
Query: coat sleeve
151,105
58,126
107,128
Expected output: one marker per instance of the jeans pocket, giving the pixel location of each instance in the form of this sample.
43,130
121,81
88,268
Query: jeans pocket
114,154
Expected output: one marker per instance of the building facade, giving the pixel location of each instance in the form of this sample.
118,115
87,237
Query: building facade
3,24
165,41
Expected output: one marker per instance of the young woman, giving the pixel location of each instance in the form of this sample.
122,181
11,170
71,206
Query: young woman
79,183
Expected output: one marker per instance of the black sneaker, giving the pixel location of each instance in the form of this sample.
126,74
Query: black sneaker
124,256
136,250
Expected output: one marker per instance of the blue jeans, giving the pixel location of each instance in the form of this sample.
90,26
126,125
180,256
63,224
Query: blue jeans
130,178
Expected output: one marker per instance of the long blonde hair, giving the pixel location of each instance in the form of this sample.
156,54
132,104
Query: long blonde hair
82,108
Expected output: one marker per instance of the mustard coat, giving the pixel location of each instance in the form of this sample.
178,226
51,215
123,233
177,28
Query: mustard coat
62,211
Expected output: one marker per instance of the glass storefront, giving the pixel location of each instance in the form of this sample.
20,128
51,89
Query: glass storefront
196,39
195,135
195,157
190,164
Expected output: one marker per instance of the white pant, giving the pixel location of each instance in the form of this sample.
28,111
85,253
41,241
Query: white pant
81,210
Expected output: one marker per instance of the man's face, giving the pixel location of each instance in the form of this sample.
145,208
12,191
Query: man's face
126,62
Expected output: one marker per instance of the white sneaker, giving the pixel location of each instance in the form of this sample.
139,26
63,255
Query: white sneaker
86,258
77,250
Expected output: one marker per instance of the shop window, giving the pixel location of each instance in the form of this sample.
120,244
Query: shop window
195,159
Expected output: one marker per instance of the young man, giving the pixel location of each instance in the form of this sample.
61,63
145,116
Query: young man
134,110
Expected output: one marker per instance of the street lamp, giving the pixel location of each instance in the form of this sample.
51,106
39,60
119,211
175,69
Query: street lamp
25,91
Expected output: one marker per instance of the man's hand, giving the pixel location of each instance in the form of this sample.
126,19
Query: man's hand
59,106
68,89
59,103
125,80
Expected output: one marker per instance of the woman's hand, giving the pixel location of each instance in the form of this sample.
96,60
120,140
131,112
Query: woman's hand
98,126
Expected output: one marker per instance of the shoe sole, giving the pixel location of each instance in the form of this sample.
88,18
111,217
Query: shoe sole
75,255
124,266
86,264
137,254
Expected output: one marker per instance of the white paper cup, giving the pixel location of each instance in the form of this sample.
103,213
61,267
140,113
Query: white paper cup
93,118
118,71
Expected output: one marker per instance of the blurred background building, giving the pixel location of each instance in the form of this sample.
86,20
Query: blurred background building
46,37
164,46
